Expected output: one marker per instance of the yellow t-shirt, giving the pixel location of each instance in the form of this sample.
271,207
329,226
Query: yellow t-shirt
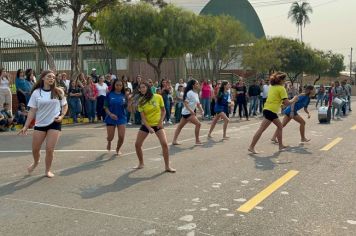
276,94
152,109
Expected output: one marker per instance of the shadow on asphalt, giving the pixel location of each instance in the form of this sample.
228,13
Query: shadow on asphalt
175,149
91,165
267,163
23,183
122,183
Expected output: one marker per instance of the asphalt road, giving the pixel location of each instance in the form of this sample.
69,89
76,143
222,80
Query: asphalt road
301,191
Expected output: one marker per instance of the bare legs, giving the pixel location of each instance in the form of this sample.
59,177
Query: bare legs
223,116
194,120
298,119
121,137
264,125
141,136
52,137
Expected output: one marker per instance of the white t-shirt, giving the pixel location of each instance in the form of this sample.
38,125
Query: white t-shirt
193,100
67,83
47,109
129,85
265,91
101,89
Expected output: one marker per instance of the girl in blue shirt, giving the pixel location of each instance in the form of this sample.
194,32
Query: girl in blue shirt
221,108
115,108
291,112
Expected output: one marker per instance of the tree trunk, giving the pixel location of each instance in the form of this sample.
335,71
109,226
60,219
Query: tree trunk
317,79
301,34
48,55
74,59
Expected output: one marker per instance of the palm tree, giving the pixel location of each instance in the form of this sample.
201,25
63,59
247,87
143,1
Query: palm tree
299,13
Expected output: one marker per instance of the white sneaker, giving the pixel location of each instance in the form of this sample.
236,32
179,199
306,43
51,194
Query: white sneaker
170,122
129,123
164,122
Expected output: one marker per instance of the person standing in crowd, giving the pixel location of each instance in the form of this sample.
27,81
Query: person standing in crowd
82,82
206,95
216,88
60,83
153,88
102,91
66,81
75,105
349,93
23,87
128,94
179,104
241,99
222,108
253,93
94,76
30,77
108,81
336,97
191,102
291,91
151,108
276,96
265,93
291,112
260,96
91,94
320,95
345,95
49,105
180,82
115,108
5,91
166,91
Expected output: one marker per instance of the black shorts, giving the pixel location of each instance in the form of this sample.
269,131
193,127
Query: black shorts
54,126
144,128
186,116
269,115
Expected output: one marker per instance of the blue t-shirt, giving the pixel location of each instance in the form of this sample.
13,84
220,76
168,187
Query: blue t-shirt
222,104
23,84
303,102
116,103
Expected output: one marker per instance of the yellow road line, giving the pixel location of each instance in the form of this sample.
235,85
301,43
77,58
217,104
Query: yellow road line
253,202
331,145
354,127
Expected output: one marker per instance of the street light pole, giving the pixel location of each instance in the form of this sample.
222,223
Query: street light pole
351,65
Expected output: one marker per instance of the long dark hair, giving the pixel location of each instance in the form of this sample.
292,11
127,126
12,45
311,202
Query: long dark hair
56,93
113,86
18,73
222,90
189,87
28,74
144,98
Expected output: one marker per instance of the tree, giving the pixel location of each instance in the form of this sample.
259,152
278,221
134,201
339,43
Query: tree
299,14
143,31
261,57
319,65
82,10
232,37
33,16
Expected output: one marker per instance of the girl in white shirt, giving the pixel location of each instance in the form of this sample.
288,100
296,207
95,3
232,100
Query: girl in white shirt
102,91
191,102
5,91
49,105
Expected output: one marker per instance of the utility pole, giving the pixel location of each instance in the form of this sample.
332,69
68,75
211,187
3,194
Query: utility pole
351,65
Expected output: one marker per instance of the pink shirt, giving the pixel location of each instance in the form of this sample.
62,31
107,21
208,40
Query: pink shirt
205,91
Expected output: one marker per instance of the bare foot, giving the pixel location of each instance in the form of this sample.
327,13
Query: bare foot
282,147
118,153
49,174
140,166
175,143
31,167
226,138
253,150
170,170
275,141
198,143
108,146
209,136
305,140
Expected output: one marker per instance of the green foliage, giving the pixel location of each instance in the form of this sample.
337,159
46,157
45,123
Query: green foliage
299,14
142,30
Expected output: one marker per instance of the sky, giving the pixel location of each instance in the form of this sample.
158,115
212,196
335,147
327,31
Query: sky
331,28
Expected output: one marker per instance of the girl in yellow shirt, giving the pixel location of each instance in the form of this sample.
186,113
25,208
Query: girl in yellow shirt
277,95
151,108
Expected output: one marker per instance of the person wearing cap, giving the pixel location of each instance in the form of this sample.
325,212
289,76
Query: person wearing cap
94,76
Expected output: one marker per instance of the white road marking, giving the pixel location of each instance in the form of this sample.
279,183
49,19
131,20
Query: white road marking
187,218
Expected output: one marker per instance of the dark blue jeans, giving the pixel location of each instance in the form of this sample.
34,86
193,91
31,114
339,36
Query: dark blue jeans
75,107
91,106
